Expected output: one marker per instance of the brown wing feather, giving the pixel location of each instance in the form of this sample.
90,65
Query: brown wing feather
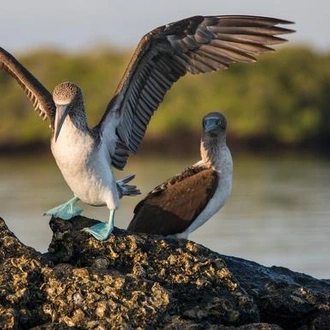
41,98
197,45
171,207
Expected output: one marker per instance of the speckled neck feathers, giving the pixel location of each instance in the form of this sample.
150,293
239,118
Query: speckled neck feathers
211,149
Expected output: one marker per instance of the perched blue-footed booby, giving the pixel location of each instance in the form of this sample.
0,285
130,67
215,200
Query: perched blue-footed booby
186,201
84,155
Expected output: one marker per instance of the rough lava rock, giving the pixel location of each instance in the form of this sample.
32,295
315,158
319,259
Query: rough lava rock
148,282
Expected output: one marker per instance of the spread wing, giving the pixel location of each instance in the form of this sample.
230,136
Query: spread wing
41,98
171,207
197,45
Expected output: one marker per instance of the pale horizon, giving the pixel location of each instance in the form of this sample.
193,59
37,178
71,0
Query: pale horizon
73,25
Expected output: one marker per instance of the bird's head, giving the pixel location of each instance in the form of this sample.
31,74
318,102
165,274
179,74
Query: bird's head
214,124
213,137
68,100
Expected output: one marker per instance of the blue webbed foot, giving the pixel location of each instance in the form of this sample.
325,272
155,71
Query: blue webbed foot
101,231
125,189
65,211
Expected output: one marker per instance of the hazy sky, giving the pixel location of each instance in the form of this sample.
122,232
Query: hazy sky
76,24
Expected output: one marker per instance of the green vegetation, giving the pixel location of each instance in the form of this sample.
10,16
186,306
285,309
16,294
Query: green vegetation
283,98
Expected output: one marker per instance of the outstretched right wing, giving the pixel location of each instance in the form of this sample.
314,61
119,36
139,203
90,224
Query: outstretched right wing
197,45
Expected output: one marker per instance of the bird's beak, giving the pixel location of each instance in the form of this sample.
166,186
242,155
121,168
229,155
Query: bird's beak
60,115
210,125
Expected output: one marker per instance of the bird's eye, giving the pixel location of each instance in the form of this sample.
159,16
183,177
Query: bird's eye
219,122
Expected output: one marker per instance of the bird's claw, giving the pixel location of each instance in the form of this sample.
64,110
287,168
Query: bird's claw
101,231
65,211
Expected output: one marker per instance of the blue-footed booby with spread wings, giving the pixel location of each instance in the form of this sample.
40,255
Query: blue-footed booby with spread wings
186,201
84,155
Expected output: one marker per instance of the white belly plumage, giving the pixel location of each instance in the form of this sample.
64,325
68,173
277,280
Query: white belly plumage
220,196
215,204
86,169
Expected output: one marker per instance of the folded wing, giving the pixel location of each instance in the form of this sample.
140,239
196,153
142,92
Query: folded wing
171,207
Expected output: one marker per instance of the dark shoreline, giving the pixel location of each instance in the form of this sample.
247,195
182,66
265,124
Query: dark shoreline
187,144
